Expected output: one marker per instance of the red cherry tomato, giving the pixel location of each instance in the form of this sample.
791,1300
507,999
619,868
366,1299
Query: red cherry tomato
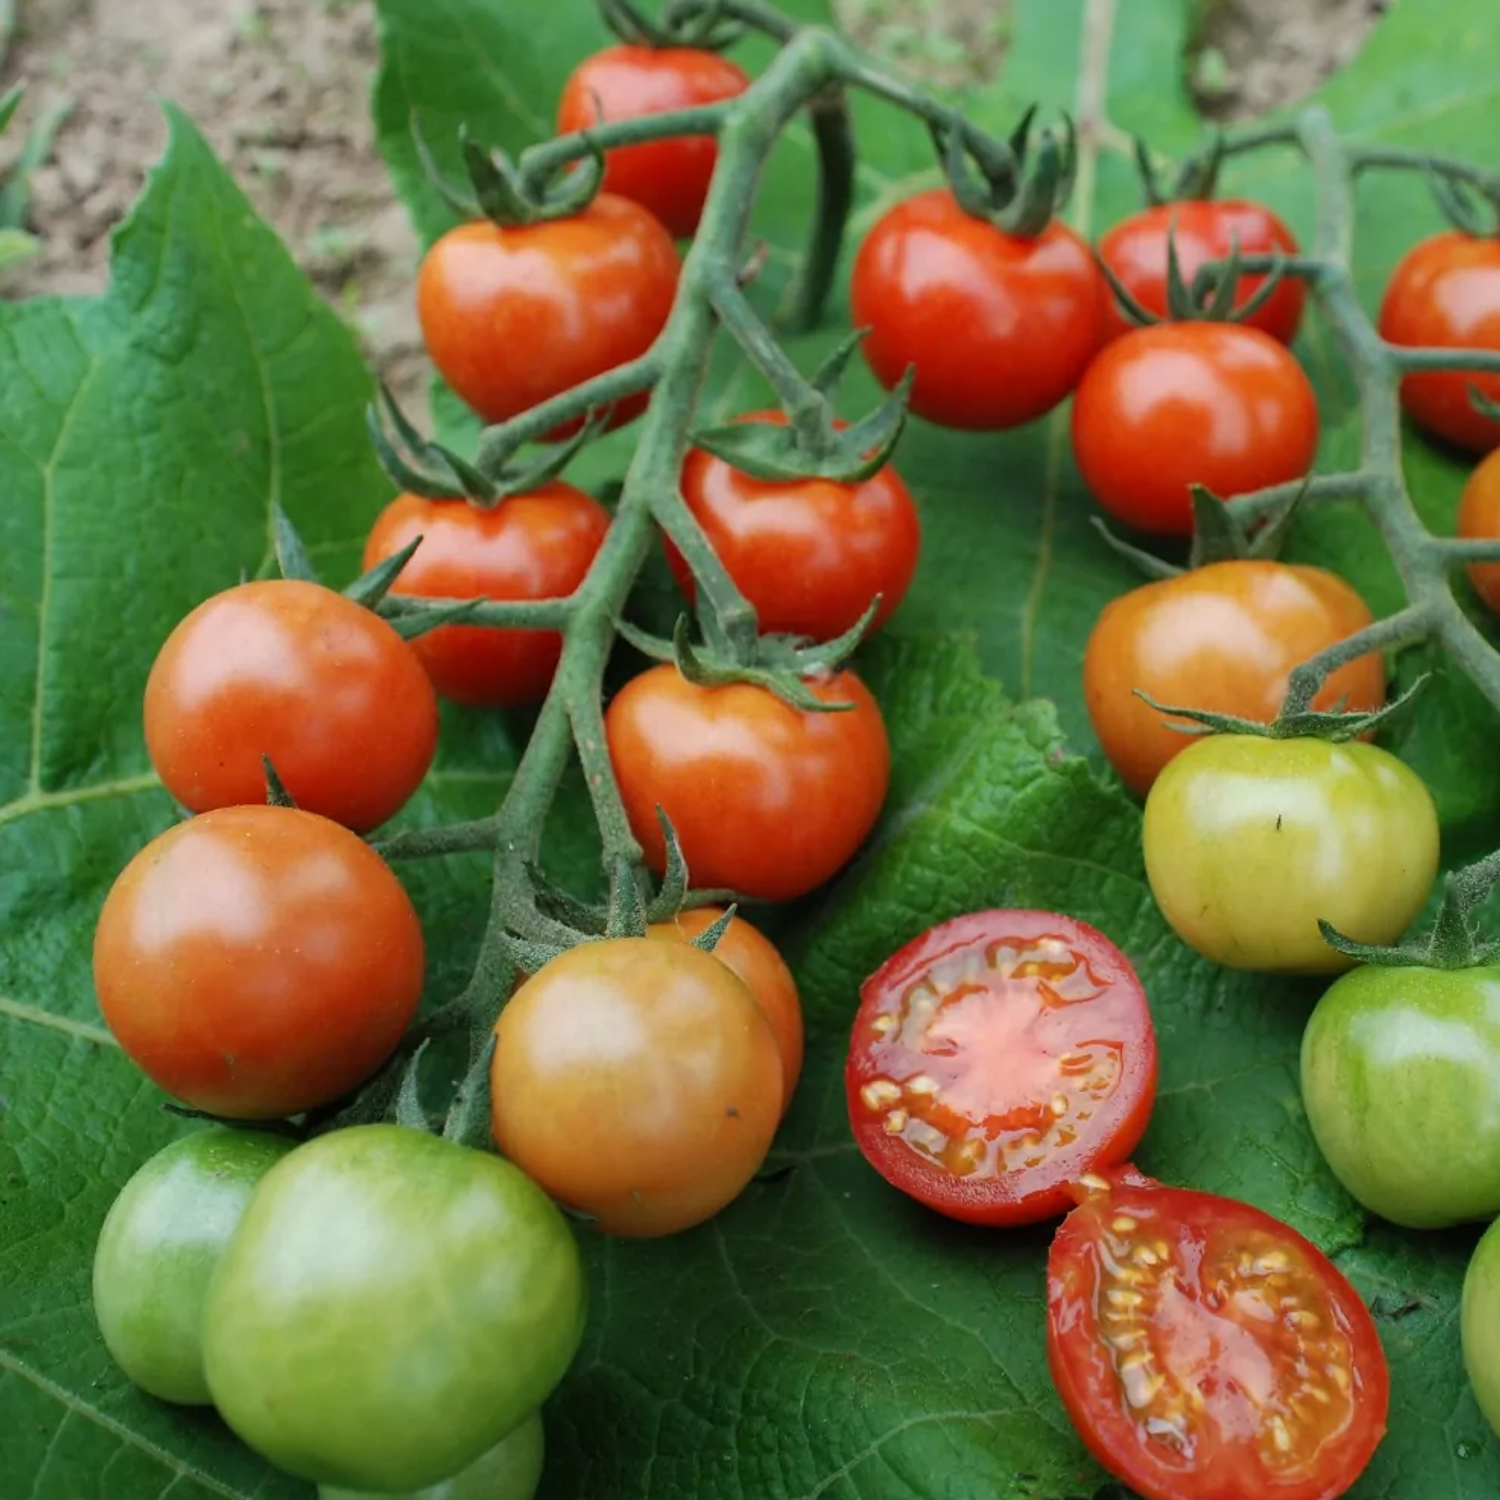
1203,230
995,1059
533,546
1479,518
1445,294
1181,403
998,327
514,316
809,554
668,177
1206,1351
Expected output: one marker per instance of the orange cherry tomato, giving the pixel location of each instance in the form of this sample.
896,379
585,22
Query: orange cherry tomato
1479,519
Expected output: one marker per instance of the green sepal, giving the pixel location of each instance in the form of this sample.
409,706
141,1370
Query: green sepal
467,1122
627,902
460,197
562,906
993,180
779,669
292,557
276,792
1220,536
532,957
708,939
411,618
1153,567
409,1110
673,889
1460,204
373,585
703,24
1482,403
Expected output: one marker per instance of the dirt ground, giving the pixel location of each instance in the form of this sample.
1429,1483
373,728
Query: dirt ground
281,89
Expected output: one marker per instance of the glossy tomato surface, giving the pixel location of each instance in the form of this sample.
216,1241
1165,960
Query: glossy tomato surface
296,672
668,177
533,546
1225,639
1479,519
1249,842
513,316
1177,404
998,327
1480,1324
1203,230
810,555
257,961
995,1059
1206,1351
511,1470
391,1307
637,1081
1445,293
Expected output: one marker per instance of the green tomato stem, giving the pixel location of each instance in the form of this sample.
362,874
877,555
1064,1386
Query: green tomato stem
1402,628
1362,158
833,134
547,157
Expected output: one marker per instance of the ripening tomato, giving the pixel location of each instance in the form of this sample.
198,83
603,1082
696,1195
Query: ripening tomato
637,1081
998,327
1203,230
1206,1351
1445,294
1176,404
296,672
809,554
513,316
766,799
995,1059
257,961
533,546
1479,519
1225,639
669,177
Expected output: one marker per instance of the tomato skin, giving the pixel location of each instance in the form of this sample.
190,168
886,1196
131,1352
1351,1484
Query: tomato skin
352,1328
1203,230
747,952
158,1247
670,177
1479,1322
766,800
492,300
533,546
1223,638
810,555
638,1081
1176,404
1250,841
511,1470
1445,293
1479,517
297,672
257,961
1000,328
974,964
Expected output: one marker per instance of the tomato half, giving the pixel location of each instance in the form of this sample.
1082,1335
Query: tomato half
1190,403
669,177
1480,1324
1225,639
998,327
766,799
1445,294
995,1059
811,554
514,316
1479,519
533,546
297,672
1206,1351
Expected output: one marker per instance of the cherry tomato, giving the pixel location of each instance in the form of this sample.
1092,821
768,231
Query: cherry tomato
637,1081
257,961
766,799
809,555
514,316
158,1247
1190,403
511,1470
1249,842
390,1308
297,672
1480,1324
668,177
1206,1351
1203,230
1479,518
995,1059
532,546
750,954
1223,638
998,327
1445,294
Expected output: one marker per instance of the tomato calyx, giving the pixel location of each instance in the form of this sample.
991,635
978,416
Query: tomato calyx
704,24
1469,209
1197,176
994,181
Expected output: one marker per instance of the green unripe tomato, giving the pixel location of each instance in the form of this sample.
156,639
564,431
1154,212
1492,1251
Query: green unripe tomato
390,1307
1250,841
1480,1324
158,1247
511,1470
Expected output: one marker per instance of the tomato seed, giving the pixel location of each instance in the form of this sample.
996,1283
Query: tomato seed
880,1094
895,1122
923,1083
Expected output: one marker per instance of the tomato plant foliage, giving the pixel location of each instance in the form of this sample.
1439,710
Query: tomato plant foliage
824,1336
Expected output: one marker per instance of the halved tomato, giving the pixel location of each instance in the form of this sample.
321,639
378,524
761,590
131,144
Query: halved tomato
1206,1351
997,1058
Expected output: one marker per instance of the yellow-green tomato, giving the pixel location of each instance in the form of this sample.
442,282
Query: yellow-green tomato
159,1245
1250,841
511,1470
1401,1082
1480,1324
